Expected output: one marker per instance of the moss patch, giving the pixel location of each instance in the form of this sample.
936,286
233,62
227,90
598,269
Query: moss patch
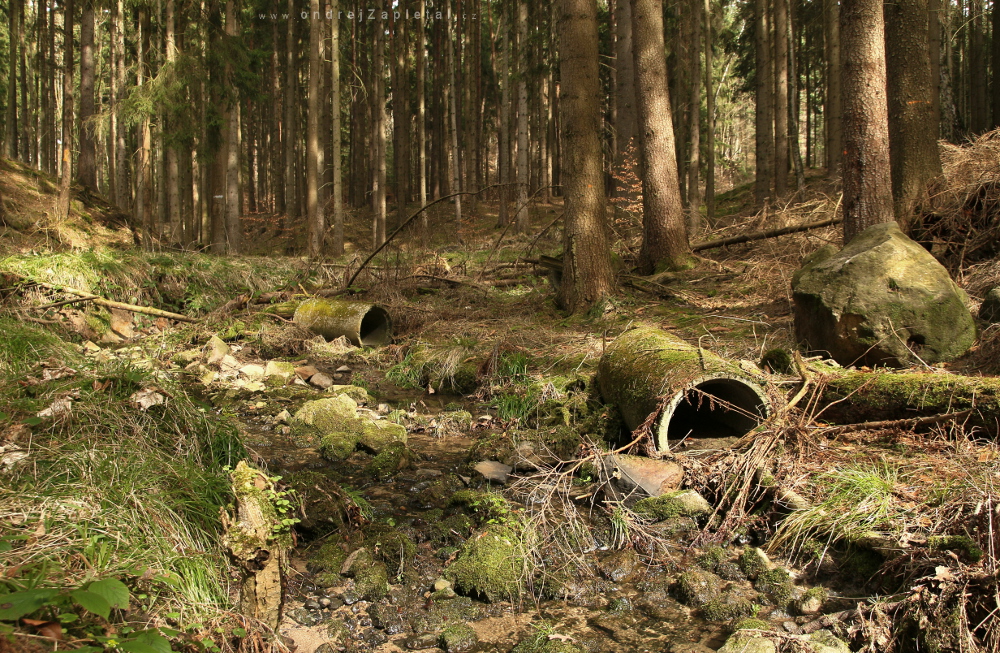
960,543
776,584
492,565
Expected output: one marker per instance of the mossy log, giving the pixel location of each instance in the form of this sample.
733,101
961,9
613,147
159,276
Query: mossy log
701,393
362,323
258,543
855,396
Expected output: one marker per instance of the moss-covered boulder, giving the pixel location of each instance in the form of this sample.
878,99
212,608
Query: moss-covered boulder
743,641
458,638
390,461
881,300
989,311
376,435
696,587
492,565
355,392
329,415
543,642
323,510
673,504
371,577
389,544
731,604
776,584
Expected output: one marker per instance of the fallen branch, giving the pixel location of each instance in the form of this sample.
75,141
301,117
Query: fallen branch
107,303
910,423
761,235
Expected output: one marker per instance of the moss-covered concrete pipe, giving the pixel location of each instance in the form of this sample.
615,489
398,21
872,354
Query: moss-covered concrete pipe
705,394
361,323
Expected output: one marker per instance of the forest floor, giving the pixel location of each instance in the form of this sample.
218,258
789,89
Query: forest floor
118,432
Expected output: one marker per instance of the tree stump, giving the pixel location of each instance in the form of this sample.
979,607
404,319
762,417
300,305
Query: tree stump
258,541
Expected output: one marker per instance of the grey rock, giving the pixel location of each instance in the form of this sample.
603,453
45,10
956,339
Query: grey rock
743,643
305,617
881,300
387,618
989,311
321,380
617,566
422,641
654,477
493,471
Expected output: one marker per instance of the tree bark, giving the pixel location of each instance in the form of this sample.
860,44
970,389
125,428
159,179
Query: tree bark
122,195
313,213
867,187
378,142
665,238
453,113
710,118
291,123
587,277
338,183
913,147
503,141
764,184
694,120
174,227
87,160
793,108
780,98
521,219
10,130
66,170
994,57
234,229
626,113
144,174
833,115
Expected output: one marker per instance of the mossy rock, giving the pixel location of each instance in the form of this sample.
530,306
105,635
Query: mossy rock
376,435
338,446
371,577
327,562
711,557
751,623
731,604
697,587
754,562
959,543
776,584
358,394
442,614
458,638
331,414
744,642
485,506
492,565
452,529
687,503
540,642
390,545
778,360
389,461
321,514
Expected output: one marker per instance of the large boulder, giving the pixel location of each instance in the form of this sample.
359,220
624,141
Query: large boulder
881,300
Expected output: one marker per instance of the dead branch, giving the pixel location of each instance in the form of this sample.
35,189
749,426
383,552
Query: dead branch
910,423
761,235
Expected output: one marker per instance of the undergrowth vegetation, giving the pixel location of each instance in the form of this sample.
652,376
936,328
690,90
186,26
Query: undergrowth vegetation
96,488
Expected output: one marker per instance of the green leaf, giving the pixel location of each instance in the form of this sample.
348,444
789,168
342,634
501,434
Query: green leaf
152,640
88,649
113,591
4,416
33,421
92,602
19,604
137,647
67,617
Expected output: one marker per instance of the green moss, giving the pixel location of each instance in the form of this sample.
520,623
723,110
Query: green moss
452,529
492,565
728,606
753,563
358,394
711,557
377,435
371,577
338,446
330,415
751,623
960,543
778,360
862,564
776,584
697,587
542,641
389,461
458,637
327,562
487,507
390,545
665,506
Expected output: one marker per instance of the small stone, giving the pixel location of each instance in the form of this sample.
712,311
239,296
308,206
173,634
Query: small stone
989,311
306,372
343,369
741,643
216,350
421,641
278,372
283,417
304,616
91,347
311,604
252,372
458,638
655,477
229,364
692,503
321,380
441,583
493,471
254,386
324,602
208,377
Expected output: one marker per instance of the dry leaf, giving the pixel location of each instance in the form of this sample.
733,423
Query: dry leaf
147,398
58,408
943,574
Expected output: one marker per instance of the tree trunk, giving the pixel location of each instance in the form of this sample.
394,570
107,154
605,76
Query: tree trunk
46,73
979,109
291,123
66,171
626,114
664,237
422,118
122,195
994,55
694,121
144,166
793,109
780,97
503,141
913,147
763,185
378,141
587,278
338,184
453,112
710,119
521,219
867,188
11,131
833,115
87,160
234,230
174,227
313,212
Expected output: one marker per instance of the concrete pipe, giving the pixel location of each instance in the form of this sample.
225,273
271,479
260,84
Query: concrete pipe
703,395
363,324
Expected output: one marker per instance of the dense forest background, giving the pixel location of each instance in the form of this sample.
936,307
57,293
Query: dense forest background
209,120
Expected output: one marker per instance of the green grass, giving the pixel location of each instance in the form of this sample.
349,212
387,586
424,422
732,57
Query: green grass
110,490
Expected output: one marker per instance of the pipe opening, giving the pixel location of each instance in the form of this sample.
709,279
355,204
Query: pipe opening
376,327
715,408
